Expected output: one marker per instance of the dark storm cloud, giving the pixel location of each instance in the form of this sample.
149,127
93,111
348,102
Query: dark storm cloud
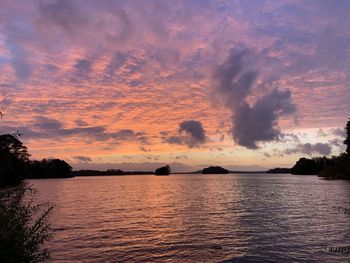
84,159
191,133
116,62
47,124
142,138
128,135
81,123
83,66
143,149
15,34
51,68
310,149
44,128
339,132
28,132
54,25
98,132
77,19
64,14
22,68
290,137
124,134
194,129
172,140
233,82
322,133
337,142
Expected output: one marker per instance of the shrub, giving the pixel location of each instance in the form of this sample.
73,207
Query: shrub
23,226
165,170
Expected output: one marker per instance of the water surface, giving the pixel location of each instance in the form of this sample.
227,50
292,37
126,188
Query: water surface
197,218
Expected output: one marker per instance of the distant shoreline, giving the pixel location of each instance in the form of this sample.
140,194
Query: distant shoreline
86,173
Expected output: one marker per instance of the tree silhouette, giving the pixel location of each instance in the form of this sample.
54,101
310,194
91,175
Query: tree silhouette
24,225
347,140
9,143
214,170
340,169
14,158
165,170
49,168
309,166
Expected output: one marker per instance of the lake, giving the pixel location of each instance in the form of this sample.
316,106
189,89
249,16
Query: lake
197,218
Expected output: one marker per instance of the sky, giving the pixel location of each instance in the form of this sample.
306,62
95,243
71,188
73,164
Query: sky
246,85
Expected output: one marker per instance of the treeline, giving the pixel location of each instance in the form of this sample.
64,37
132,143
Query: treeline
336,167
24,225
339,170
48,168
107,172
279,171
15,164
316,165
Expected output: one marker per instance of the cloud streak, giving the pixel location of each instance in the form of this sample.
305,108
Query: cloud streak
83,159
46,128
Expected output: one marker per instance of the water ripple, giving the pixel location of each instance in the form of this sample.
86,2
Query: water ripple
195,218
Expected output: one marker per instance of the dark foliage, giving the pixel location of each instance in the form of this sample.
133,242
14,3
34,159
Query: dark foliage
214,170
23,226
312,166
15,164
165,170
14,159
336,167
51,168
340,169
347,140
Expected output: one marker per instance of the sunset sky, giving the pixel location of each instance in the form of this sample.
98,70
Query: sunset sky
137,84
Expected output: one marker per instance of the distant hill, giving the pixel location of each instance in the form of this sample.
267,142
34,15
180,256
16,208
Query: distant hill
165,170
215,170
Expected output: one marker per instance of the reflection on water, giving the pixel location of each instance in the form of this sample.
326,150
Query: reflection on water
197,218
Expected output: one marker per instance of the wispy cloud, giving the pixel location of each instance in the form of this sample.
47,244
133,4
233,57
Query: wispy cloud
83,159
